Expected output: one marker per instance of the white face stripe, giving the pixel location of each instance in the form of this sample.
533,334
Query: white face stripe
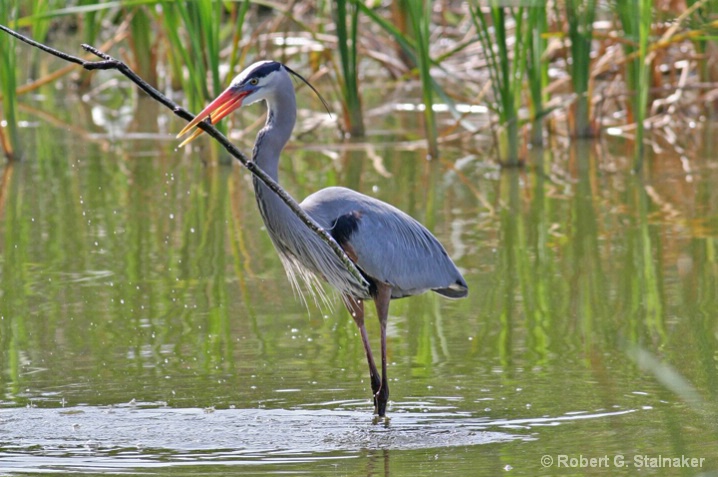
262,70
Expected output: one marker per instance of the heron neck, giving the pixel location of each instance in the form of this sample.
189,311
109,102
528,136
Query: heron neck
271,139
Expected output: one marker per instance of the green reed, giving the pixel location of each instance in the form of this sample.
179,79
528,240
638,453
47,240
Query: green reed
141,41
537,67
346,17
420,13
194,40
91,22
10,137
197,51
636,17
186,39
580,15
414,43
40,28
506,66
702,16
239,13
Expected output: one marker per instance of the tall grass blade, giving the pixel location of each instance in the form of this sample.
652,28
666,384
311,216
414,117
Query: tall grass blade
141,41
507,70
197,50
644,79
195,55
420,13
346,24
636,17
192,22
239,13
409,46
704,12
40,28
580,15
177,54
10,136
400,19
91,23
537,67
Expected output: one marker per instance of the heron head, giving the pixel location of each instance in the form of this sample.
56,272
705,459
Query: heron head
255,83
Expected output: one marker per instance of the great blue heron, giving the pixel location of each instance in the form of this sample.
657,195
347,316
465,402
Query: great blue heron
397,255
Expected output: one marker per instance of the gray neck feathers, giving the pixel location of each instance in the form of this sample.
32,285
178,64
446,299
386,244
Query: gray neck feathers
271,139
281,116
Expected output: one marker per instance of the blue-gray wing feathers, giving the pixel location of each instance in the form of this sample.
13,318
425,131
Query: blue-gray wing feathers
389,245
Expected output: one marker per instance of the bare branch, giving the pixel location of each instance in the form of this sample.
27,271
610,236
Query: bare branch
107,62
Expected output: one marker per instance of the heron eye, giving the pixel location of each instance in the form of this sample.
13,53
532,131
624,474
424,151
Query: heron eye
254,81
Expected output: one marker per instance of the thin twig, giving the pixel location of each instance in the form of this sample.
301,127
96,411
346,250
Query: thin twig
55,75
110,63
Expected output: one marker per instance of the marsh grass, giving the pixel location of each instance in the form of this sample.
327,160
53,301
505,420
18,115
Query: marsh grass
346,17
702,21
537,68
636,19
192,32
193,37
238,15
9,135
414,43
144,53
457,52
580,15
420,13
506,65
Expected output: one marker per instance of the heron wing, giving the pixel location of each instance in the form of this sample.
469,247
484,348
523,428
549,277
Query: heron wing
386,243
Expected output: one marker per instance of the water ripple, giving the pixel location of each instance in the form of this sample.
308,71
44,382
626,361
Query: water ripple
115,439
95,438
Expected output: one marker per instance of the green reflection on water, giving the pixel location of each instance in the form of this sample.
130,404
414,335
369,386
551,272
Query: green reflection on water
130,272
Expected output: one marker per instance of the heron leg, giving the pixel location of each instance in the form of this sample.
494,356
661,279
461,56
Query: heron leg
381,300
356,309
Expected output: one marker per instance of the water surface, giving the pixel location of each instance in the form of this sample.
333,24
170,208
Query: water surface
146,325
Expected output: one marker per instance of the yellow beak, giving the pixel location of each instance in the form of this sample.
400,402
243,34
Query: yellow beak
224,104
